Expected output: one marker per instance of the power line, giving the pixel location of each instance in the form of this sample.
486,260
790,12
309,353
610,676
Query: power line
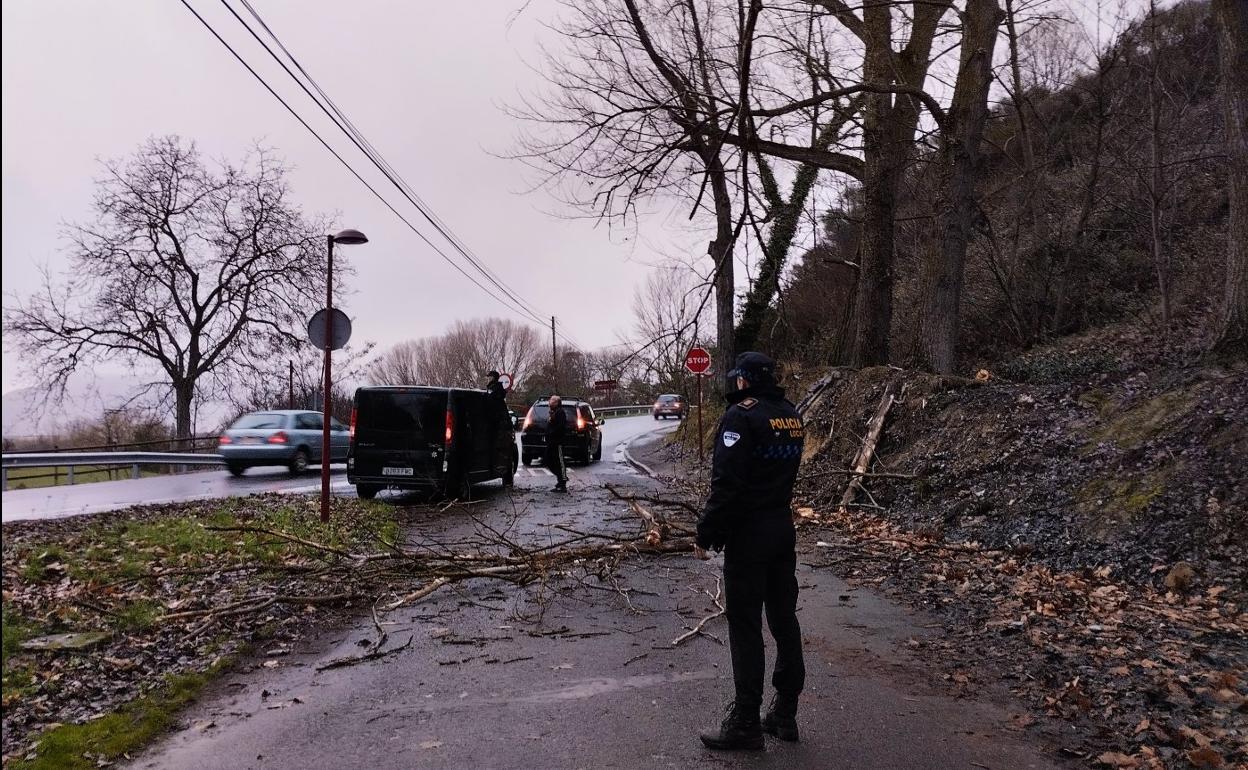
346,164
344,124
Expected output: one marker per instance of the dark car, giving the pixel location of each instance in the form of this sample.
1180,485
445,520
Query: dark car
428,438
584,439
670,405
280,437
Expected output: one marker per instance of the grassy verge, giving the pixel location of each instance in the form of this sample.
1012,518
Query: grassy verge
126,730
149,579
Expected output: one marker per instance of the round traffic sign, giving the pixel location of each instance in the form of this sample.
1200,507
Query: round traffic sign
506,381
698,361
340,329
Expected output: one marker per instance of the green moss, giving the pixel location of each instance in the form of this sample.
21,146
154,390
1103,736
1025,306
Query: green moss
80,747
1110,502
1099,400
138,616
1139,424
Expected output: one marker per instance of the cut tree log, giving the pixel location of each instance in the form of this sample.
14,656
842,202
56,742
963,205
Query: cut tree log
876,426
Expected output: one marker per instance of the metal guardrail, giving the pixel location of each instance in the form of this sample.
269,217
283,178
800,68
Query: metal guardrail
70,460
621,411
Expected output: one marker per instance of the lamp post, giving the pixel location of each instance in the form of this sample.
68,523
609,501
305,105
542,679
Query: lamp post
346,238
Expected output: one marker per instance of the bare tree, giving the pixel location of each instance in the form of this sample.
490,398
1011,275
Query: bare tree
196,271
462,355
643,95
666,325
1231,18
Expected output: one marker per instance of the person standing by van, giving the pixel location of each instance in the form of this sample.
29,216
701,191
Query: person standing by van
556,434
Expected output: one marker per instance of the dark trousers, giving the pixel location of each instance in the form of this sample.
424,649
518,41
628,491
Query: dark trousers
760,573
555,464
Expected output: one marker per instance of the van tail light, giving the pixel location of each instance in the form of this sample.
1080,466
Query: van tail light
278,438
225,439
450,427
354,416
580,422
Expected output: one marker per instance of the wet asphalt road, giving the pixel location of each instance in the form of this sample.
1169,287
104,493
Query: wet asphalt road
581,673
55,502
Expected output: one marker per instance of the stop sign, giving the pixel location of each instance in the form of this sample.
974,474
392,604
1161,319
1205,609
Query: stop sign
698,361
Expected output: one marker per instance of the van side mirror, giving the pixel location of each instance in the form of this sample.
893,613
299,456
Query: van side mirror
601,421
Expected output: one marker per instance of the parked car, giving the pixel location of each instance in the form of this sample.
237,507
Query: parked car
280,437
428,438
670,405
584,441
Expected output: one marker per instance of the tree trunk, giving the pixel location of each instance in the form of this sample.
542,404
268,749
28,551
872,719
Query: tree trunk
183,398
775,254
1231,17
873,306
1157,180
725,284
939,319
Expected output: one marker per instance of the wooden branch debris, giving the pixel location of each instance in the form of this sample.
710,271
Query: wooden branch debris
696,630
861,474
863,461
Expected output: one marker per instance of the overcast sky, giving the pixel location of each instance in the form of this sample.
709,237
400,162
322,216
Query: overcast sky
423,80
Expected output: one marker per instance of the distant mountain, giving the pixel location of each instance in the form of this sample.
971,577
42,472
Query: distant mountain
30,412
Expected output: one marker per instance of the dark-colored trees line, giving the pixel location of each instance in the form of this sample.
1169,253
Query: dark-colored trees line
749,113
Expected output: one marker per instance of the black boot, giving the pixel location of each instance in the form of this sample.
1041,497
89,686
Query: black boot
781,719
739,730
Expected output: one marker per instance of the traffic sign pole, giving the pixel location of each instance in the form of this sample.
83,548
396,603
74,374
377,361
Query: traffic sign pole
698,361
329,336
701,435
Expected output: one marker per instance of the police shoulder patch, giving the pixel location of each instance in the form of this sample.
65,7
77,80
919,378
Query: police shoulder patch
748,403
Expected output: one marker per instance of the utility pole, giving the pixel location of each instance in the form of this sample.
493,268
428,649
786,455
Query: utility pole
554,356
290,386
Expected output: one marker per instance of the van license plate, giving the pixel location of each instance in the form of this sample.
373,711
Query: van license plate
397,472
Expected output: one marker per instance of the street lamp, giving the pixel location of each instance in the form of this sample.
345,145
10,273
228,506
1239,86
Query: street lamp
346,238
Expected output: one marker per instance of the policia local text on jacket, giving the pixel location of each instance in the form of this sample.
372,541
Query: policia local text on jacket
758,449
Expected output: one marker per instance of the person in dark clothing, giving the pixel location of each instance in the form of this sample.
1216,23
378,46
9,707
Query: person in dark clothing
758,448
496,410
498,394
556,434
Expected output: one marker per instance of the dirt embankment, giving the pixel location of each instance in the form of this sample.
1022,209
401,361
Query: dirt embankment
1090,464
1078,517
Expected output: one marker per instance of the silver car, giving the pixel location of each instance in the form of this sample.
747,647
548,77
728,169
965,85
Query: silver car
287,437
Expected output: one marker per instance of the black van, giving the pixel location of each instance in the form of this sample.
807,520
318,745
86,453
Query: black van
427,438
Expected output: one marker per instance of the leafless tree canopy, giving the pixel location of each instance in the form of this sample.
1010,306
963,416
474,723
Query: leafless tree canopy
194,268
462,356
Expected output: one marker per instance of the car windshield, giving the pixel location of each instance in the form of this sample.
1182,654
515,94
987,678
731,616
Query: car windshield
669,399
259,421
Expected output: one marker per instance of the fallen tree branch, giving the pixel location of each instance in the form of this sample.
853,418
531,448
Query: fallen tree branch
702,623
374,655
863,461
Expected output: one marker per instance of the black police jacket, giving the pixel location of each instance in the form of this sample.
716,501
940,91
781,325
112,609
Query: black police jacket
758,447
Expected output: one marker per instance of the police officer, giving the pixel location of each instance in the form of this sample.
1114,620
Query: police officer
556,434
758,447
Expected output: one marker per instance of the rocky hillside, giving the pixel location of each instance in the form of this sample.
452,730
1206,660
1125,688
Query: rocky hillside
1086,453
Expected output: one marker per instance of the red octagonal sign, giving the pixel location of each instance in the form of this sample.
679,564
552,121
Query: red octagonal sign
698,361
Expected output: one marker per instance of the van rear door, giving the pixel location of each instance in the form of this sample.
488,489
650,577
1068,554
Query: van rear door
400,433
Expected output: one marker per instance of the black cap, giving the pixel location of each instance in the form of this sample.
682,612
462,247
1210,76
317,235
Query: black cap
492,373
755,368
